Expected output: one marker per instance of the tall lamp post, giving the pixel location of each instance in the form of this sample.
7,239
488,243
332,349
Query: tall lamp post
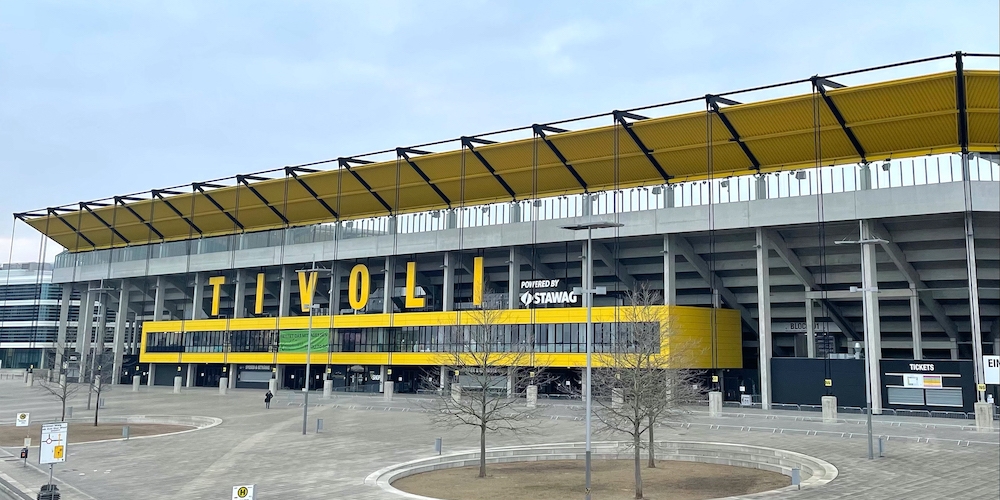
312,309
588,290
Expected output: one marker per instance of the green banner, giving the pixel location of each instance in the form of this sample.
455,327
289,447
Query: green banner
295,340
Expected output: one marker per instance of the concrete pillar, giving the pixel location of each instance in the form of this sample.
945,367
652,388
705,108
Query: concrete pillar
335,289
102,325
443,382
136,381
810,327
953,349
451,218
84,330
918,349
587,202
513,279
715,404
764,315
456,392
223,385
198,297
29,378
381,378
873,334
448,282
829,409
510,381
327,388
151,376
121,324
285,291
64,303
232,375
272,385
761,186
191,373
515,212
279,377
975,318
669,272
387,390
388,284
865,177
532,396
240,295
618,398
178,380
159,298
669,197
391,225
984,417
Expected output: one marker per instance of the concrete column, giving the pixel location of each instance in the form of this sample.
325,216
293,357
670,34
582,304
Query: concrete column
865,177
829,409
279,377
764,317
975,319
715,404
285,291
327,387
443,374
84,330
387,390
232,375
102,323
121,324
381,378
531,396
191,373
810,327
918,348
510,381
223,385
64,303
178,380
456,392
151,376
448,284
335,289
953,348
136,381
513,279
29,378
451,218
669,197
391,224
669,272
761,187
240,298
388,285
515,212
272,384
587,203
873,334
984,417
198,297
159,298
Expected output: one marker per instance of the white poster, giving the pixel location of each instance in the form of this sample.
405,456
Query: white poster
52,448
991,365
23,420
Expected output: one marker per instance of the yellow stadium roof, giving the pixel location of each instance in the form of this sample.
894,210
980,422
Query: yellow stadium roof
892,119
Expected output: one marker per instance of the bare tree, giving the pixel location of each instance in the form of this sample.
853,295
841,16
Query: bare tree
488,360
101,377
61,389
639,383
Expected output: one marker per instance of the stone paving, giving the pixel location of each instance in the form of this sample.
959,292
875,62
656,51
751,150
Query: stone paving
925,458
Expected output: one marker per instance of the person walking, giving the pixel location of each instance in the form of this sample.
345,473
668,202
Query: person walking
267,399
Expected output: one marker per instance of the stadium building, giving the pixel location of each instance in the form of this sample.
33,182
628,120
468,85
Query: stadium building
788,239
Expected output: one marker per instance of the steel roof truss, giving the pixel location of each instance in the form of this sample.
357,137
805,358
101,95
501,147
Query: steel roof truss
121,201
53,212
467,142
292,172
200,188
404,153
243,179
540,131
821,84
158,193
713,102
346,164
86,206
620,117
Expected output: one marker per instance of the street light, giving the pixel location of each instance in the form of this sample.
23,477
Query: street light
588,290
305,387
868,385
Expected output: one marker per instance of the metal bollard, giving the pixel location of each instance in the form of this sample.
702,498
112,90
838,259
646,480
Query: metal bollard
125,432
101,403
437,445
796,478
319,425
881,447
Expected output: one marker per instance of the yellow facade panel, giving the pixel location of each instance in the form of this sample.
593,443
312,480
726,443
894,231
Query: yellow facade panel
896,99
671,132
886,139
984,130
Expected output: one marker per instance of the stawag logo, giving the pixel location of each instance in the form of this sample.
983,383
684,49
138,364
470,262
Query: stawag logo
530,298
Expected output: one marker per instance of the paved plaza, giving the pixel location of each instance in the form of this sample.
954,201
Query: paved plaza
925,458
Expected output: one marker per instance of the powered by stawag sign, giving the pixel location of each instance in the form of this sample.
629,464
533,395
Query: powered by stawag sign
536,293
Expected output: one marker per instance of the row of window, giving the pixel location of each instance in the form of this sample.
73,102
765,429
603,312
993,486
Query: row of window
559,337
31,291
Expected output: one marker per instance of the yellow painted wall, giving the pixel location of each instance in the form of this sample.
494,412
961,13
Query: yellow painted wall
689,343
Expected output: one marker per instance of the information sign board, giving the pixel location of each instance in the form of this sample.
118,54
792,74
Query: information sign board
991,365
243,492
52,447
23,420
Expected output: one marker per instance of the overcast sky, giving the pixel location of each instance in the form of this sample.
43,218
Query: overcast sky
103,98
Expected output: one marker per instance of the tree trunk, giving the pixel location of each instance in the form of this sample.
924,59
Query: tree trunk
482,450
651,463
637,439
63,417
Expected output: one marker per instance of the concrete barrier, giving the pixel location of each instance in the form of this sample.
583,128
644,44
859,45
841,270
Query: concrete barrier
813,471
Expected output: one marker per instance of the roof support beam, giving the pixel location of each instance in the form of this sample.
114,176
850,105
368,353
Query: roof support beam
158,193
820,84
467,142
198,186
601,252
699,264
292,172
404,153
52,212
620,117
345,163
961,104
713,103
100,219
806,277
540,131
242,179
121,201
897,256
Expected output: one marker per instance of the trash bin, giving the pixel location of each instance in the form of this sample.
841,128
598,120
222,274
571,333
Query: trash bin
49,492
